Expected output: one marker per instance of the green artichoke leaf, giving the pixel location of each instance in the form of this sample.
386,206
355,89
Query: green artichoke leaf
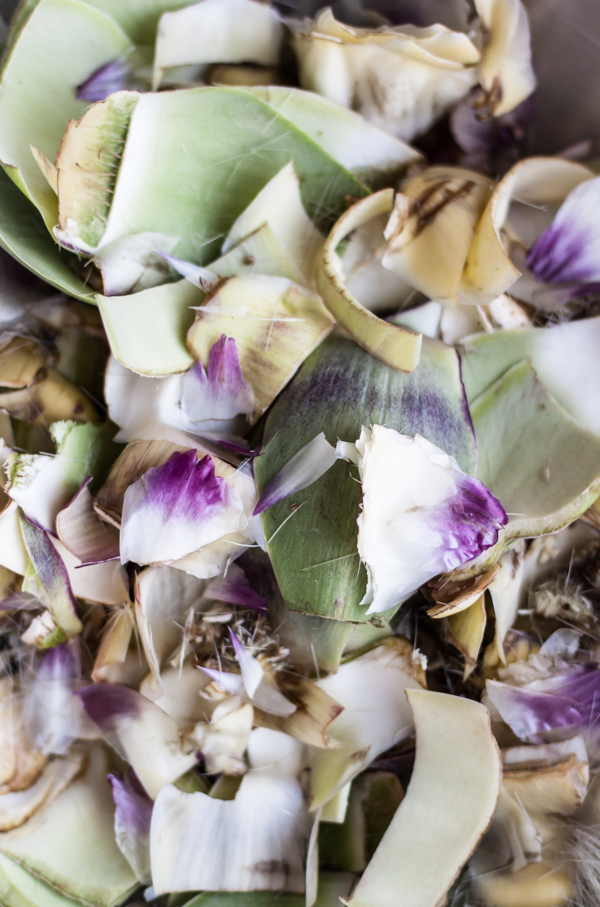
542,464
24,236
70,843
138,18
19,888
147,330
312,537
374,156
59,45
234,144
564,356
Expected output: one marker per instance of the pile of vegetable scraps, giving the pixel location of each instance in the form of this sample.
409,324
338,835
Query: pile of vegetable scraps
300,437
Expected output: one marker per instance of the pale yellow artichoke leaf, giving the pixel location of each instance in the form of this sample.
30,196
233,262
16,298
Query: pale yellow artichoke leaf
275,323
539,185
393,345
431,229
448,805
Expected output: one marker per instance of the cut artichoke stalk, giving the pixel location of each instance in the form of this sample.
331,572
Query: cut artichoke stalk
70,845
234,31
431,228
448,805
339,389
520,207
391,344
401,80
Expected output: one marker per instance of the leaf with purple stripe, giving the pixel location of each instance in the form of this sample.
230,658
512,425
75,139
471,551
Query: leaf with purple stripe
177,509
48,580
220,392
140,731
133,812
568,250
233,588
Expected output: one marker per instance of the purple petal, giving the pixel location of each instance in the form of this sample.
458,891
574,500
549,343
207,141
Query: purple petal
226,444
469,523
133,811
81,530
568,250
111,77
21,601
59,663
106,703
310,463
221,393
140,731
176,509
133,806
234,589
531,714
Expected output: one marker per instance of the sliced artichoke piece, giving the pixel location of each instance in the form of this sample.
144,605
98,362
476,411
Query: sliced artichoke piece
147,330
558,476
400,79
392,344
70,845
431,229
372,154
448,805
